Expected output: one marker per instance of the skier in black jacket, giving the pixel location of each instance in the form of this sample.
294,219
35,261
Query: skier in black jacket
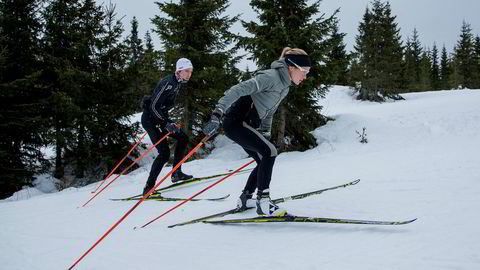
156,122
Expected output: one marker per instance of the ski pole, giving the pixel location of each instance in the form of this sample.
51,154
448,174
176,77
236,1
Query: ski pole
129,166
205,139
196,194
121,161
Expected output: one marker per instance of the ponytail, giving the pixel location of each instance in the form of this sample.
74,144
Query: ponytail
288,50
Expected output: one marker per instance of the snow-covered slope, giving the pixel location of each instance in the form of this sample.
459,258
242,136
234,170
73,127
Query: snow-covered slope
421,161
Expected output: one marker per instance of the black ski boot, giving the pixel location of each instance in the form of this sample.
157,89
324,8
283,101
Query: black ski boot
178,175
147,188
245,201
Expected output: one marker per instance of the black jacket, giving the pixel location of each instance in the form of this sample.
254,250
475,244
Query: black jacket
162,99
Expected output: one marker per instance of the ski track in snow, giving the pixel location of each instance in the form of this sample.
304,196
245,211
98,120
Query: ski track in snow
421,161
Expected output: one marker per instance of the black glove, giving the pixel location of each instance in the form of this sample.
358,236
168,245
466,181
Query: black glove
211,127
172,127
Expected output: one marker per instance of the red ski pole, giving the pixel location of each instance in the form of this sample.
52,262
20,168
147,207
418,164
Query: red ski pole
129,166
196,194
121,161
141,200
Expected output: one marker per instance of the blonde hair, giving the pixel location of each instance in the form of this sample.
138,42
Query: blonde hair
288,50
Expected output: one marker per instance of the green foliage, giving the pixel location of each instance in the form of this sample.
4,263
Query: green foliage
425,82
292,24
85,70
444,70
463,59
476,60
379,53
412,63
198,31
22,98
338,59
435,70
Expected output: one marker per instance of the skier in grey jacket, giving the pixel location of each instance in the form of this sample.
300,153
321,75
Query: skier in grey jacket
248,110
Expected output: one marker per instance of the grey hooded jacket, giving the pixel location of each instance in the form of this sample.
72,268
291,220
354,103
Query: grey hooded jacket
267,89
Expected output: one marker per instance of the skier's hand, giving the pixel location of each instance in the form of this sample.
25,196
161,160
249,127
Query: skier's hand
172,127
212,126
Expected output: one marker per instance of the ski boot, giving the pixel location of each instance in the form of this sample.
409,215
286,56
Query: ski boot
245,201
265,206
178,175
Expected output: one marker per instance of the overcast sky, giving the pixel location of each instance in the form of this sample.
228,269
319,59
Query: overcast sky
437,21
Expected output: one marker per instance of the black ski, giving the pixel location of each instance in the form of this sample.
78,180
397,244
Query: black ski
179,184
279,200
290,218
168,199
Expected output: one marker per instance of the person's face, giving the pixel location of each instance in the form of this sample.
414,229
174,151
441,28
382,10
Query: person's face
185,74
298,74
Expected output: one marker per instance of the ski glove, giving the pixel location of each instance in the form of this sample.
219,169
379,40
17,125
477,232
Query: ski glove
211,127
172,127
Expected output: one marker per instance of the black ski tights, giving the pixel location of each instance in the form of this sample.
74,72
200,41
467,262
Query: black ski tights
263,151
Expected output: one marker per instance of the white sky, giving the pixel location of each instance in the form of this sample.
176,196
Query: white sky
436,20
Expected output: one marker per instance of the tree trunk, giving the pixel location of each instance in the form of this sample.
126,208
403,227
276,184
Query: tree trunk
59,144
80,171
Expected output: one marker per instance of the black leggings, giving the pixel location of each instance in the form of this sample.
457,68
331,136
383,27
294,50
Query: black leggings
263,151
155,135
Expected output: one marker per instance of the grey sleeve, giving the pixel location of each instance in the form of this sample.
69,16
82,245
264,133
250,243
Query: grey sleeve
251,86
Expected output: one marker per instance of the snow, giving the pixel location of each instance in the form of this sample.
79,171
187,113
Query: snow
421,161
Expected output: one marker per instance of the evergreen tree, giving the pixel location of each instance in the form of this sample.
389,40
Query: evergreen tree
111,132
338,59
463,58
82,75
198,31
425,71
408,73
444,70
85,66
379,51
22,97
413,57
151,65
58,39
135,55
476,59
291,23
435,70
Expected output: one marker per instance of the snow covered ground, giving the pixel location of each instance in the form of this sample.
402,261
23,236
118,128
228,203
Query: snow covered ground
421,161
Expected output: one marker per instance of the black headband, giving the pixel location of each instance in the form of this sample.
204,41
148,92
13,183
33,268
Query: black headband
299,59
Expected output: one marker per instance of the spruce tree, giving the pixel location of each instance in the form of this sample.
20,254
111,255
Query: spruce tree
338,57
135,54
476,59
22,96
408,74
151,65
115,103
85,66
198,31
463,58
58,39
413,55
444,70
435,70
292,23
425,71
379,51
